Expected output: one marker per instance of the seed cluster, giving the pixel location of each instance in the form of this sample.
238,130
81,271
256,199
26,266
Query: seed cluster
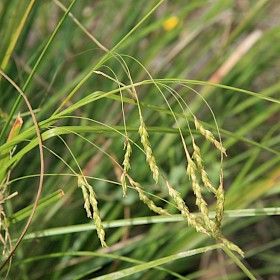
126,165
197,175
146,200
144,136
209,136
91,208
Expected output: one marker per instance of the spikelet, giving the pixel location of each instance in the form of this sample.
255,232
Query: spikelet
126,165
148,150
126,162
220,204
231,246
123,182
146,200
200,202
91,202
185,211
200,168
150,203
96,217
209,136
87,207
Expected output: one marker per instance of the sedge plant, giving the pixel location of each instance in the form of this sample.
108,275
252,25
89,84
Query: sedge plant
139,140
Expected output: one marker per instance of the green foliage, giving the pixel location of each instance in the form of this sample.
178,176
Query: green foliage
143,107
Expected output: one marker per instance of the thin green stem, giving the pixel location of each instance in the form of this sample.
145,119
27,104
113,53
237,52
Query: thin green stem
239,263
18,100
105,57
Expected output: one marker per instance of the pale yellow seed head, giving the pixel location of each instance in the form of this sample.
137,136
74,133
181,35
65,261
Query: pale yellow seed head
91,207
148,150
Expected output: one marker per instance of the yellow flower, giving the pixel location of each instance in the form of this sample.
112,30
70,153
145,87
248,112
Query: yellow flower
170,23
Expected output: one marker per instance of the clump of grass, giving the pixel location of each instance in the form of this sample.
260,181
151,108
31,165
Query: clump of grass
165,44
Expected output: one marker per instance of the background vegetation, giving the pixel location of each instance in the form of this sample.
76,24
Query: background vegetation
206,56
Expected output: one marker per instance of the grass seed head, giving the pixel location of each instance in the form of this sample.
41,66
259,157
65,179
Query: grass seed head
192,221
124,185
219,206
200,168
126,165
91,202
209,136
148,201
126,161
231,246
148,150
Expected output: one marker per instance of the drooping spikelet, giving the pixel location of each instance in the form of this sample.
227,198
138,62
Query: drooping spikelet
91,202
231,245
191,219
220,204
209,136
96,217
126,161
150,203
81,184
146,200
199,200
148,150
123,182
200,168
126,165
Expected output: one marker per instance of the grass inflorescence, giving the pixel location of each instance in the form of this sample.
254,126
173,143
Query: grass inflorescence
91,208
156,108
